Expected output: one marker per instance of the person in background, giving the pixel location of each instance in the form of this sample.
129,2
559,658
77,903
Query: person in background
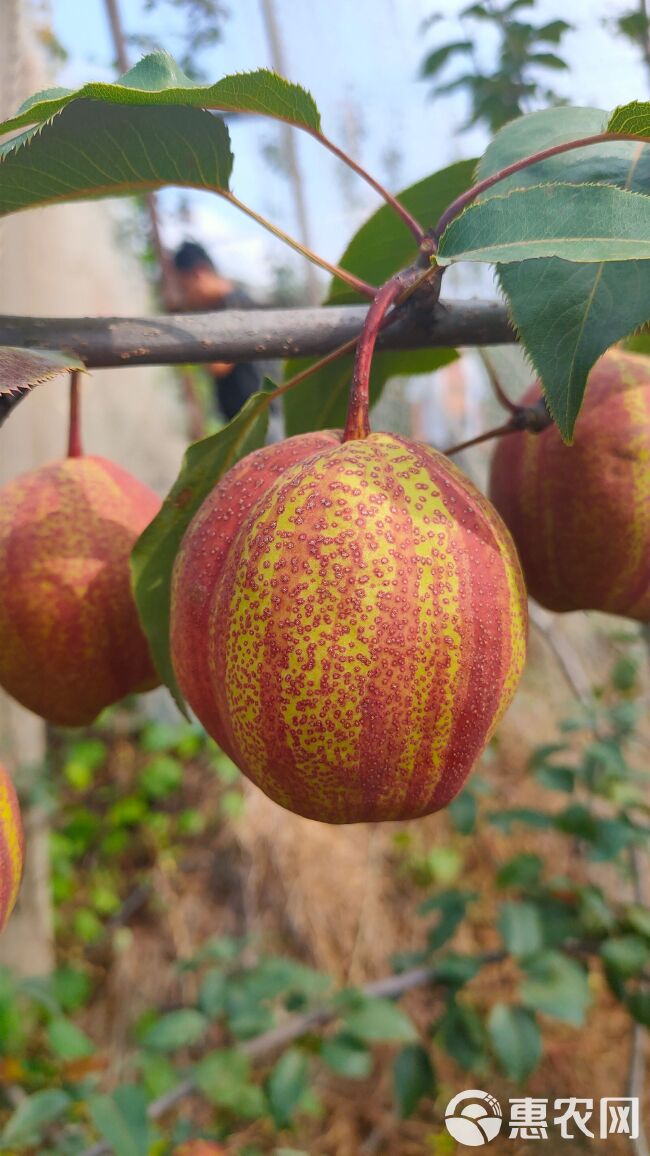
202,288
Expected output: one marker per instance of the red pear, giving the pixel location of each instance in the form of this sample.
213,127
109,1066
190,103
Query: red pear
580,514
349,623
70,638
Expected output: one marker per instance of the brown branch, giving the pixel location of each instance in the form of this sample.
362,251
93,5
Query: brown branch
256,334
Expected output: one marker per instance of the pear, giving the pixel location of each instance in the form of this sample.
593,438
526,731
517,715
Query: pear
70,638
580,514
349,623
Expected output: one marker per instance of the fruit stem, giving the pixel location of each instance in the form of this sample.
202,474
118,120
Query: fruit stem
74,429
358,424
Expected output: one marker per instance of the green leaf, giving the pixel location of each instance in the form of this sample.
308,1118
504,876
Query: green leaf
152,560
462,812
638,1004
460,1032
176,1029
590,223
504,820
100,150
26,1123
156,80
224,1078
287,1085
68,1041
413,1078
638,918
456,970
213,993
626,955
556,778
557,986
380,247
515,1039
567,314
436,60
522,871
122,1120
379,1020
521,928
347,1056
631,118
451,906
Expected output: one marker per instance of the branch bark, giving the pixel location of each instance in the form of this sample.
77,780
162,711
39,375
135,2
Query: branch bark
177,339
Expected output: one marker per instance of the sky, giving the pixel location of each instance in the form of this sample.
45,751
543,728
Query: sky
360,60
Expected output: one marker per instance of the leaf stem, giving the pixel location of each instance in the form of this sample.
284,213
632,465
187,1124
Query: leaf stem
355,283
74,429
358,424
410,221
470,195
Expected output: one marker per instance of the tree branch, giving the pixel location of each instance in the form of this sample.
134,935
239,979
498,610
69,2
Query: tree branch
256,334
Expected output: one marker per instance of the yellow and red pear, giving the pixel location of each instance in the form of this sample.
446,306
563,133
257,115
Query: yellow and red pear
580,514
12,846
350,629
70,638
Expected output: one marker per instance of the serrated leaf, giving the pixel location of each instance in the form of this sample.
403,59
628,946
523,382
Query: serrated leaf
158,80
567,314
515,1039
152,560
413,1078
379,248
24,368
631,118
176,1029
579,223
33,1114
557,986
92,149
379,1020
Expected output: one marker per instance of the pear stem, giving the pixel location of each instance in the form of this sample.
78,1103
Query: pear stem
358,424
74,429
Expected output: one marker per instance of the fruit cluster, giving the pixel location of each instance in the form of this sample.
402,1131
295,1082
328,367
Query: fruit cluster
348,611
